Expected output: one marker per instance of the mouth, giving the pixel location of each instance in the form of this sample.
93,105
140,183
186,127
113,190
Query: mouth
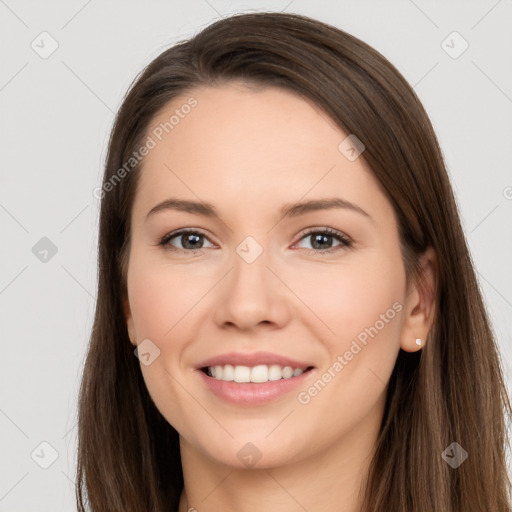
257,374
254,385
253,379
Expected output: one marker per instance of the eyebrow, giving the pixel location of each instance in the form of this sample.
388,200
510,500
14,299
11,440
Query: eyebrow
289,209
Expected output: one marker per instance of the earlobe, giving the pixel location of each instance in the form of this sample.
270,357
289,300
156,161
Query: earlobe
420,305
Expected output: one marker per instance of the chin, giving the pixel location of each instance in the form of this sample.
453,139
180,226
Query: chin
246,451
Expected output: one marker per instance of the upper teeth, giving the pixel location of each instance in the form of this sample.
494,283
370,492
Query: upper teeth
260,373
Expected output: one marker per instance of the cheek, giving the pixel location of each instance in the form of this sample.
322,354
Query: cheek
150,303
360,311
353,301
162,306
362,306
160,297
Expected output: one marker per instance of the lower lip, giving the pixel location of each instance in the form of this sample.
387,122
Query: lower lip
253,393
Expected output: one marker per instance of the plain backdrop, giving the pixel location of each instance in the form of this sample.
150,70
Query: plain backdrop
56,113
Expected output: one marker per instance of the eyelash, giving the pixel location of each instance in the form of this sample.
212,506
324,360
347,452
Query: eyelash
345,241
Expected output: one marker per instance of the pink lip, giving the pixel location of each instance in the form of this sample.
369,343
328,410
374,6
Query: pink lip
251,393
252,359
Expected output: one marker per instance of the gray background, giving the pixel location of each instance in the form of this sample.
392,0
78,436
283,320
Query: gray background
56,116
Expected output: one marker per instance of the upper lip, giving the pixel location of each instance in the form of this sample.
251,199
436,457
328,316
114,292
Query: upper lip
252,359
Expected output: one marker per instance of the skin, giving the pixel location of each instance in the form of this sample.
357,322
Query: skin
248,152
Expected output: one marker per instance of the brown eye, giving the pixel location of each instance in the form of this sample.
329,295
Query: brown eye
186,240
323,240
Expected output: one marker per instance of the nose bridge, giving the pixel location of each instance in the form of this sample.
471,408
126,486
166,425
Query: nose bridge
251,293
249,280
250,250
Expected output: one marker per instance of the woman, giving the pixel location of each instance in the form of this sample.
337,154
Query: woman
288,316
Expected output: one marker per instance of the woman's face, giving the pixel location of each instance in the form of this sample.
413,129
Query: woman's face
250,291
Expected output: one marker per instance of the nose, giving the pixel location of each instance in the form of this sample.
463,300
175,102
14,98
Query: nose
251,296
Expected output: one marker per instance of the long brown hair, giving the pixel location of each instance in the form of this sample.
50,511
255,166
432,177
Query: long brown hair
451,391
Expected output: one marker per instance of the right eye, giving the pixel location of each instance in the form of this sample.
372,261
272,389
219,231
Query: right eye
189,239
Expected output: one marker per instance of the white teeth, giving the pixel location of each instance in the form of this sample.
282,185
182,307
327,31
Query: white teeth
287,372
260,373
228,373
242,374
275,372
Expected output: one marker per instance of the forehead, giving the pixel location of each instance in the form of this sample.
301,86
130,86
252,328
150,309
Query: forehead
234,122
242,147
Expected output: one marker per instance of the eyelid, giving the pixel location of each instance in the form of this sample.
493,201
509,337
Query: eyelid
324,229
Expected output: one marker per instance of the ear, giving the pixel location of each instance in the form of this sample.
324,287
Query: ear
129,322
419,307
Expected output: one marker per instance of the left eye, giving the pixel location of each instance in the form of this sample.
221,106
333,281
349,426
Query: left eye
322,240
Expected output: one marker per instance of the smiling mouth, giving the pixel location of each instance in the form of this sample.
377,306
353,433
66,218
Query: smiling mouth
253,374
